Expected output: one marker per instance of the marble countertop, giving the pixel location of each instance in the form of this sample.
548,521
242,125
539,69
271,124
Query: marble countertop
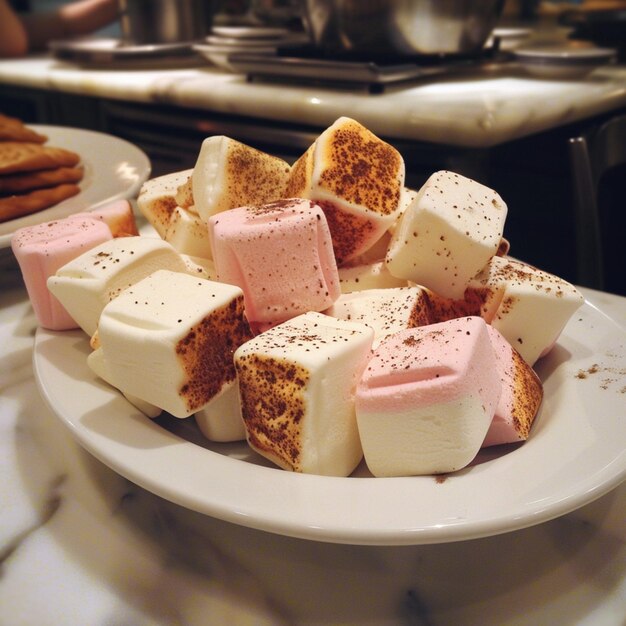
476,109
81,545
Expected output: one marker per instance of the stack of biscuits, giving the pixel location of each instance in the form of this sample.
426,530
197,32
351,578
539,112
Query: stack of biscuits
33,176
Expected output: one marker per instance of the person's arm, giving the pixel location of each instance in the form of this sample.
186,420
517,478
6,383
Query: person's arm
13,38
70,20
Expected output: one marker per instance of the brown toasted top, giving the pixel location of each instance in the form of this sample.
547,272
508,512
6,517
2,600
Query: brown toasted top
253,177
361,168
206,353
273,405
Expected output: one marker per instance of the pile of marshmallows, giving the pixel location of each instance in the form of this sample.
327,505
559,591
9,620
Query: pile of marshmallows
321,311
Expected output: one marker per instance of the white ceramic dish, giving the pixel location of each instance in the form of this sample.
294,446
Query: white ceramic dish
576,453
562,61
114,169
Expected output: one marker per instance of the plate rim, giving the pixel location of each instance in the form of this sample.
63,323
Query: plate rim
434,533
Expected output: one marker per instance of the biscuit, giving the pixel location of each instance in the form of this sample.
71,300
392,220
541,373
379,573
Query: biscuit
15,206
27,181
12,129
18,156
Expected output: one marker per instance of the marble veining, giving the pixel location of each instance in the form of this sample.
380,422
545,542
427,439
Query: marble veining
471,109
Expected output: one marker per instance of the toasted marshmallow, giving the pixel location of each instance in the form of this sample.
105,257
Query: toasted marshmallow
386,311
188,234
358,180
220,419
528,306
87,283
447,234
184,194
169,340
427,397
368,276
42,249
118,216
521,395
157,199
280,254
230,174
296,383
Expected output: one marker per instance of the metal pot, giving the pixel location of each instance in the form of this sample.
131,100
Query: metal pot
401,27
164,21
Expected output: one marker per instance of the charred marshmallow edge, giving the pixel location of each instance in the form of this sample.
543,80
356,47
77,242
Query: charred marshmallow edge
522,393
87,283
42,249
280,255
296,383
358,179
427,398
157,199
169,340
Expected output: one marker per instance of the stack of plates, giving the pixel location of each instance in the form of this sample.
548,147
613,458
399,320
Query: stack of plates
573,59
259,40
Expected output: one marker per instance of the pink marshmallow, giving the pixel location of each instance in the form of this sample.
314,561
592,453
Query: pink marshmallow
42,249
427,398
521,395
118,216
280,255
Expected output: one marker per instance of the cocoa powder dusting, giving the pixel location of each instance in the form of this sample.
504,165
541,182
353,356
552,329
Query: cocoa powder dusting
273,405
206,353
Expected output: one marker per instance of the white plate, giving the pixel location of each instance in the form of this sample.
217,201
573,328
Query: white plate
114,169
576,453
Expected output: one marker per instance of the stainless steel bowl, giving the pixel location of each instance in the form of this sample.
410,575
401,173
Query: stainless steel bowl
401,27
164,21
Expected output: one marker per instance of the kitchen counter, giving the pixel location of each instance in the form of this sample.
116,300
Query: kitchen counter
476,109
81,545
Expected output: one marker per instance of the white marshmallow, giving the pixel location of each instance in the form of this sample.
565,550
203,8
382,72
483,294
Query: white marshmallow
220,419
297,384
96,362
447,234
87,283
169,340
528,306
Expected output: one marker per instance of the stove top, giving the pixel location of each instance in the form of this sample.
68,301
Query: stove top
305,64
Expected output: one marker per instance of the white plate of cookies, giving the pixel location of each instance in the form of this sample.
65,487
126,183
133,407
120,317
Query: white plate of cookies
50,172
